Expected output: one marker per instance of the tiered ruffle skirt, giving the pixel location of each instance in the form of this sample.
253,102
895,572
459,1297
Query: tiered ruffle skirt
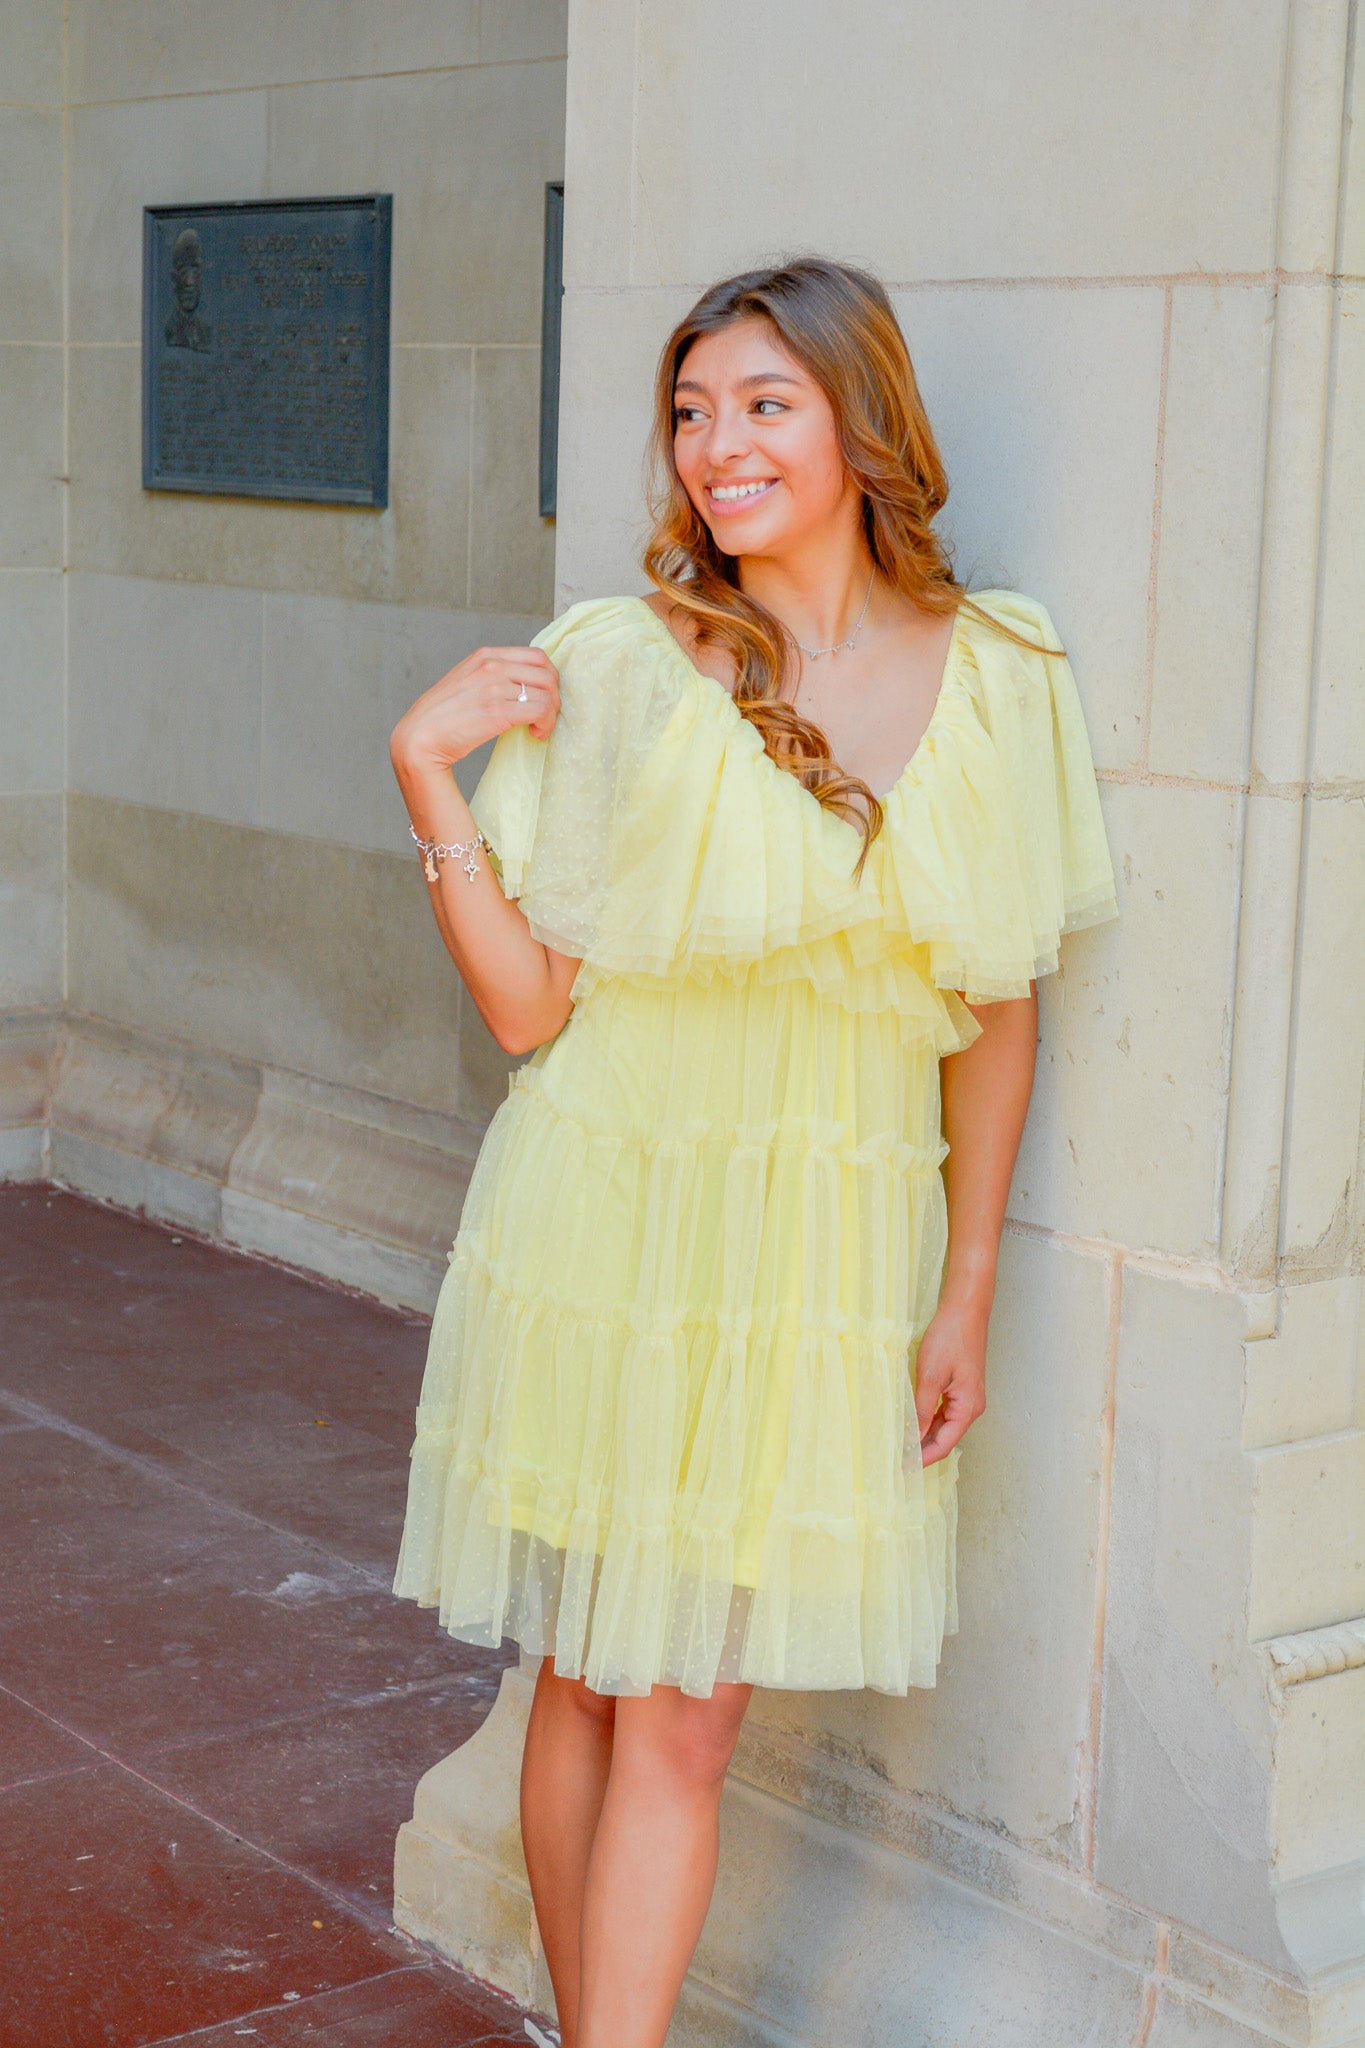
666,1431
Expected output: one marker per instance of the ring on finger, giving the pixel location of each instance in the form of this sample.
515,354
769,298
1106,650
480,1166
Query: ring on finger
522,697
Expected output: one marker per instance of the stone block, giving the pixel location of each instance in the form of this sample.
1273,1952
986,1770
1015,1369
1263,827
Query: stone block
1124,1137
31,458
1021,388
1019,166
169,1103
848,1792
1292,492
132,1182
265,946
1183,1816
1001,1737
31,224
30,1045
811,1921
1182,2022
415,552
1319,1808
338,676
31,866
474,146
1323,1917
599,143
1320,1219
1303,1381
1352,251
511,548
1208,556
459,1873
1339,714
31,50
326,1158
158,151
403,1279
517,31
1277,2006
23,1152
164,696
195,46
31,666
1308,1535
611,343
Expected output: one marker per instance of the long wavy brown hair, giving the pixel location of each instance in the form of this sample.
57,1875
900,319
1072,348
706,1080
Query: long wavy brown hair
839,324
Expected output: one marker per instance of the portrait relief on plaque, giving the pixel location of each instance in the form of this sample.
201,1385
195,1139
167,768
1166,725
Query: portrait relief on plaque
184,327
265,338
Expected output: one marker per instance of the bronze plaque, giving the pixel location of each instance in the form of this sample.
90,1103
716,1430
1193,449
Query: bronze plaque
265,349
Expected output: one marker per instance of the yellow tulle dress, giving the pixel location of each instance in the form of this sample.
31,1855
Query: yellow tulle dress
666,1430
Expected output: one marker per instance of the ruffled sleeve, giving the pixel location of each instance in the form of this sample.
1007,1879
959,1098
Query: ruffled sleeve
999,847
551,810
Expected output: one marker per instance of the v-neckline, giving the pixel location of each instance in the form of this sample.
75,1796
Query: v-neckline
945,684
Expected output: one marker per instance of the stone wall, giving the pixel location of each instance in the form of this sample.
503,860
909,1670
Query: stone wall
1127,252
226,999
32,461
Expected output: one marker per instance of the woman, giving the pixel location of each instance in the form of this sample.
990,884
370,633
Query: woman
761,872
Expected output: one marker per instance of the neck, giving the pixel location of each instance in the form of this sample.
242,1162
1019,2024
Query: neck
818,593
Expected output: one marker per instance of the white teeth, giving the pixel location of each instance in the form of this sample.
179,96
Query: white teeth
739,490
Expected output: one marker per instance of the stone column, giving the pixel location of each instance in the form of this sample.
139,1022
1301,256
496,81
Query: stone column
1127,253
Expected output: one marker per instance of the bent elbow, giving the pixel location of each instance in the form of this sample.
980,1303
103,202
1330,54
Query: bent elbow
522,1035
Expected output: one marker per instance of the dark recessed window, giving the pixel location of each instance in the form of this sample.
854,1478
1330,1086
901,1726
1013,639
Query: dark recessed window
553,293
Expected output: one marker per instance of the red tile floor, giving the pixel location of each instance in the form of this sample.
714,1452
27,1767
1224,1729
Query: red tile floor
212,1709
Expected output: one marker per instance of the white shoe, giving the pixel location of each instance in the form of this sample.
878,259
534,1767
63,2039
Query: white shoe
544,2037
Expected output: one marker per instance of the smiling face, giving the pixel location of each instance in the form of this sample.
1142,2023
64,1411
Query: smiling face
756,445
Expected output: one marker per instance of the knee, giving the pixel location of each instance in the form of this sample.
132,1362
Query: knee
570,1696
693,1740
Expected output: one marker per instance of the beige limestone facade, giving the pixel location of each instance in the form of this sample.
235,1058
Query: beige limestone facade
1128,250
221,994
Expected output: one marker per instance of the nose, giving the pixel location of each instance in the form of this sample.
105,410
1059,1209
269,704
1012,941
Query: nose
727,437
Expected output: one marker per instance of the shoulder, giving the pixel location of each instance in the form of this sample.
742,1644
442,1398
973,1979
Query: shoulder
620,673
1017,613
597,625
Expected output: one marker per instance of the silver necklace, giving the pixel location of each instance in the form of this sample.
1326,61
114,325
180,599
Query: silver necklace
814,653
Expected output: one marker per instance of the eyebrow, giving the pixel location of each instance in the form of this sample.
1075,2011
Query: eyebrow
758,377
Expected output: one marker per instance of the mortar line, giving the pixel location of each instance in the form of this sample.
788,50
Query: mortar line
227,92
469,481
1154,551
148,1468
64,808
261,2012
150,1754
632,245
1090,1763
1051,281
1160,1970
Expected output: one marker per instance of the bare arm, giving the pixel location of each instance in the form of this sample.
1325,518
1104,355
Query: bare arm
519,985
986,1093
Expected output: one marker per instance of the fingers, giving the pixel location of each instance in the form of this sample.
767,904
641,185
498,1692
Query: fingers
943,1436
945,1413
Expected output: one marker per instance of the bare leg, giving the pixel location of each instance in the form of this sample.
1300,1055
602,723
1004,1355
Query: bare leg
653,1864
563,1779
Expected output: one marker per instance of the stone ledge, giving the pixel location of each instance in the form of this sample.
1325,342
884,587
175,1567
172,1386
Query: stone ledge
1317,1652
339,1182
980,1941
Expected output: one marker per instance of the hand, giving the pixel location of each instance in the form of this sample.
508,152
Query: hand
950,1377
477,700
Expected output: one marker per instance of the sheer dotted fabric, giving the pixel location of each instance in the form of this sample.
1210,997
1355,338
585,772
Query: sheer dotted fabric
666,1431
